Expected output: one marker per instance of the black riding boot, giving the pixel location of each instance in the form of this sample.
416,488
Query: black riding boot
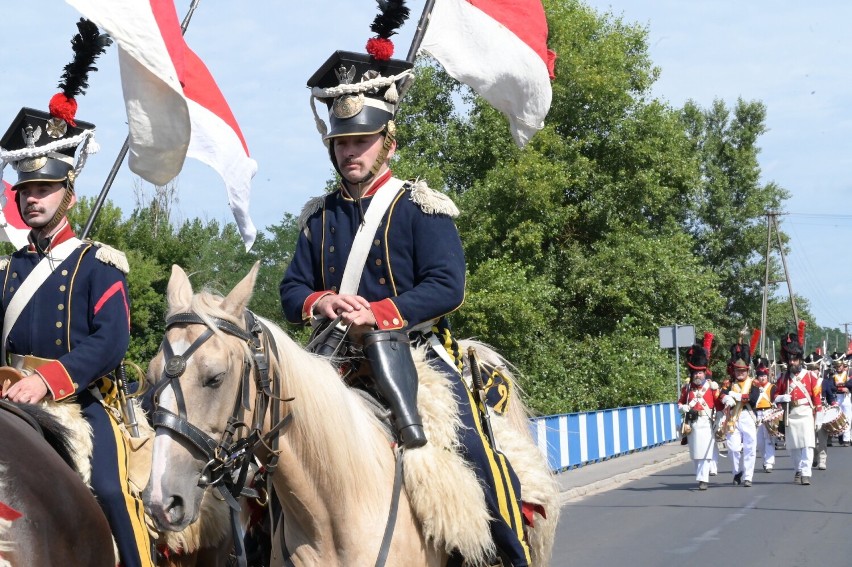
389,354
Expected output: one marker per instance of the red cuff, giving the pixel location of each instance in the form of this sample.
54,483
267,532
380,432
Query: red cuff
388,317
308,306
57,379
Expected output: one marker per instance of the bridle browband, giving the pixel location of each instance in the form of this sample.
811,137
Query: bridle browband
229,458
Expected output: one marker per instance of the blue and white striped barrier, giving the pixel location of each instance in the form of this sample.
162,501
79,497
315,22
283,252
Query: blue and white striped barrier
575,439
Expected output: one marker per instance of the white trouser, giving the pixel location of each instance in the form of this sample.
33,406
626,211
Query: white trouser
714,462
742,445
820,454
845,403
702,469
766,442
802,459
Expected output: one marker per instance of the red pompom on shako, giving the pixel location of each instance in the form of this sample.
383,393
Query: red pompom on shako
380,48
63,107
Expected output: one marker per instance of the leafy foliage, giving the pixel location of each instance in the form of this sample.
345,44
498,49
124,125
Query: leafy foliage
621,216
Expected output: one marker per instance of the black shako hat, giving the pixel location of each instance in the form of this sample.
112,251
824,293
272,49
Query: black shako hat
42,147
362,90
362,93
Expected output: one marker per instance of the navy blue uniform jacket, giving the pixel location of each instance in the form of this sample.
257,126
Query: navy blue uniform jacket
79,317
415,270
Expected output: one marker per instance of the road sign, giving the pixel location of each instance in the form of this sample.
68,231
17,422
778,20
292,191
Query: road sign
685,336
680,335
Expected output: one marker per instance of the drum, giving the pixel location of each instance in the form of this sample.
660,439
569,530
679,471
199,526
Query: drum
771,418
833,421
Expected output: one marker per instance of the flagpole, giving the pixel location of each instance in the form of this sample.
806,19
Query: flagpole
421,30
122,153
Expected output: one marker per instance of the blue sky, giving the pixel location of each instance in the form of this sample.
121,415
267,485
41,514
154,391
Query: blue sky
790,55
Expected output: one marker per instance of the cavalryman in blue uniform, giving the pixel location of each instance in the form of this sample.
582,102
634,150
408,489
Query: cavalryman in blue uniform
65,308
400,279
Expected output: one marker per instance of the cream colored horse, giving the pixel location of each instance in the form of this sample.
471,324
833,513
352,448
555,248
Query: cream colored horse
336,470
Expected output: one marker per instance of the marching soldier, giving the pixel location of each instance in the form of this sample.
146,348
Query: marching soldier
766,393
814,363
800,389
64,302
398,281
740,401
840,377
697,404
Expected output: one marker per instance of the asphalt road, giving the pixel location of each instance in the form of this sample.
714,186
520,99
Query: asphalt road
662,519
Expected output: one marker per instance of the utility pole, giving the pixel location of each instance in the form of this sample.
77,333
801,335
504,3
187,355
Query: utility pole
845,335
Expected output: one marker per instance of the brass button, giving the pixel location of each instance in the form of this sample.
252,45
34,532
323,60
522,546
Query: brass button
382,281
331,269
385,322
331,230
59,324
58,342
14,274
378,261
11,289
334,288
60,307
62,392
62,288
376,242
331,248
64,272
395,321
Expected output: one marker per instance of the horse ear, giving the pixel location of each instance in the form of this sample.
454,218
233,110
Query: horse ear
238,299
179,291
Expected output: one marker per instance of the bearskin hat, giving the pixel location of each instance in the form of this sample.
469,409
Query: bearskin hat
696,357
790,347
739,356
761,366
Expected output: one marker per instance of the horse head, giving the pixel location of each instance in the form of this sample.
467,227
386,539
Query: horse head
202,390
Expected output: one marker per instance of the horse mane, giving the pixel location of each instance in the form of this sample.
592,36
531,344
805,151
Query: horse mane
333,431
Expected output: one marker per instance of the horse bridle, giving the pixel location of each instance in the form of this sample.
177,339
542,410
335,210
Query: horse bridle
228,460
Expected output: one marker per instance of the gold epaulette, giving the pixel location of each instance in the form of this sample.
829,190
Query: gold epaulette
432,202
112,256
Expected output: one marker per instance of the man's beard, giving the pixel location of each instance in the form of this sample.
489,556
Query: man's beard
795,368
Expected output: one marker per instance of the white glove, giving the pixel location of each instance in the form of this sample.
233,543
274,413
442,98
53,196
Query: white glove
728,401
737,396
782,398
683,408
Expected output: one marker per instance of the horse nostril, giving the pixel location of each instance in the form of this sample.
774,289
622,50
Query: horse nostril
175,510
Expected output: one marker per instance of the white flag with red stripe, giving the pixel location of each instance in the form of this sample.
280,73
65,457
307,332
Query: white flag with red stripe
499,49
12,227
174,106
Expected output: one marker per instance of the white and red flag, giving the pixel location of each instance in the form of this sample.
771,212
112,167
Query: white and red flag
12,227
174,106
499,49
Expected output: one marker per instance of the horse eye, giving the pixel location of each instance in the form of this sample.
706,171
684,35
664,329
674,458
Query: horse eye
215,381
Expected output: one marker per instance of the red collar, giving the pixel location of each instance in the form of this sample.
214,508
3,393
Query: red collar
371,188
63,234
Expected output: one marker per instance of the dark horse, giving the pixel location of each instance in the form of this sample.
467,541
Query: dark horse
51,516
